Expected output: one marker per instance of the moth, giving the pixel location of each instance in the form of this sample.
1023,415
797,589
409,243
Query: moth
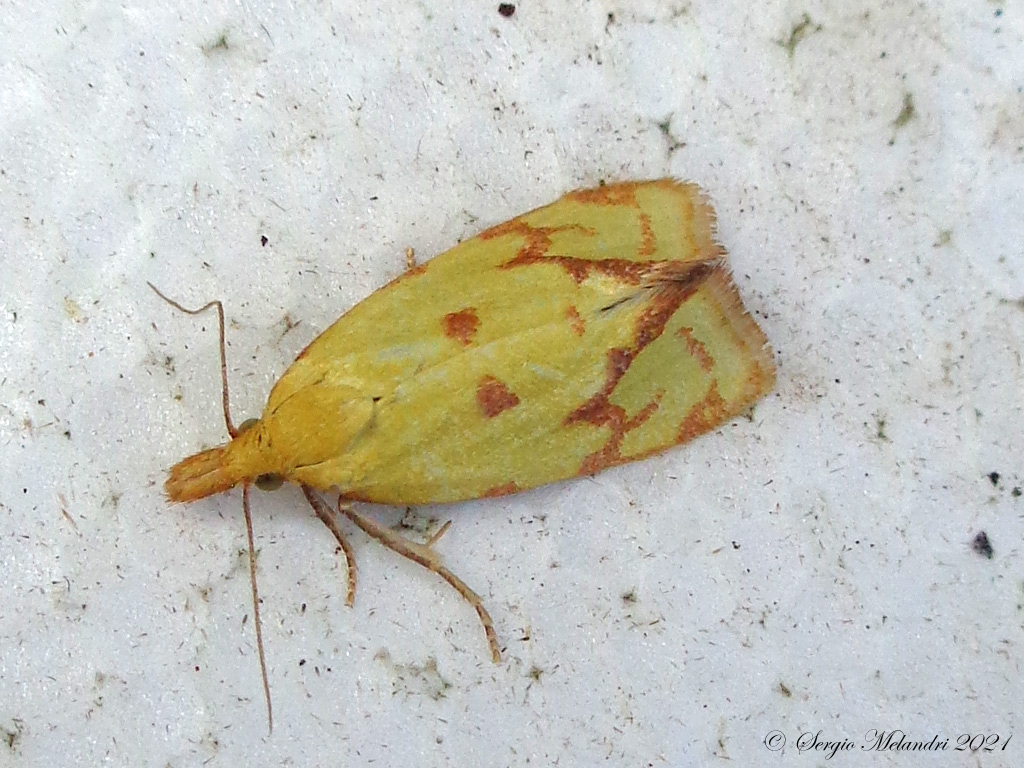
600,329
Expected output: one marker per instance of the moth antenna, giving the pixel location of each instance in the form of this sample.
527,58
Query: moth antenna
223,351
429,559
234,432
257,620
327,519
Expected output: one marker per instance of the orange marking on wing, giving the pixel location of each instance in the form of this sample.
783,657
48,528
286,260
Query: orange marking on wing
494,397
575,321
538,243
761,378
615,417
611,194
537,240
710,411
648,241
760,381
462,325
623,193
631,272
674,284
500,490
696,348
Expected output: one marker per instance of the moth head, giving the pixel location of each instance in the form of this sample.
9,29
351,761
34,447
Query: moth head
265,482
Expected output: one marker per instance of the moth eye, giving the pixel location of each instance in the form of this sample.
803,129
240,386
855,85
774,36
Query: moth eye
246,425
268,482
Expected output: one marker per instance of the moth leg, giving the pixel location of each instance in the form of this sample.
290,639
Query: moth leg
437,536
429,559
257,620
410,258
327,519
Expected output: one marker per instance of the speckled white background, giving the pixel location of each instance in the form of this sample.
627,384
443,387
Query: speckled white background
808,570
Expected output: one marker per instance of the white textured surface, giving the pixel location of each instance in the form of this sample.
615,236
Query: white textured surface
824,547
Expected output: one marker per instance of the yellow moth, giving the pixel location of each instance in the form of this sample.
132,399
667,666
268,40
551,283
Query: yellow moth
597,330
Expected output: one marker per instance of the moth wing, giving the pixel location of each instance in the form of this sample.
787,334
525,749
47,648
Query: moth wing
597,330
